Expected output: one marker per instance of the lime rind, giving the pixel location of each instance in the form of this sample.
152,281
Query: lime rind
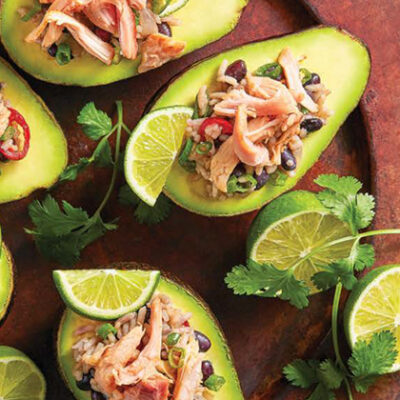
359,295
289,228
8,356
173,6
64,287
144,179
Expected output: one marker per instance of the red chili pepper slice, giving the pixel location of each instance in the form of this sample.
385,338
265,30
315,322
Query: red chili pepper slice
226,126
17,119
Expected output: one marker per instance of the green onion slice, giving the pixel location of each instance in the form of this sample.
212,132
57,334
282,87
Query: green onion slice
270,70
183,159
242,184
104,330
214,382
173,339
305,75
176,357
63,55
203,148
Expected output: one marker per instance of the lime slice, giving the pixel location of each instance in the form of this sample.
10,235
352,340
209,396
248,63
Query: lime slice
158,6
105,294
20,378
152,149
374,306
291,227
174,5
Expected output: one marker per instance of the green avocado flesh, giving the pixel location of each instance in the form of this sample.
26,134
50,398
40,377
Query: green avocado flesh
203,22
47,154
202,320
6,280
342,62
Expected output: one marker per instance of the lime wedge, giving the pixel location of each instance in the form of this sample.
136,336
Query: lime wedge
291,227
105,294
173,6
20,378
152,149
374,306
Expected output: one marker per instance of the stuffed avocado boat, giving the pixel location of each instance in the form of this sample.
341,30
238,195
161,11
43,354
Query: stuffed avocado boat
6,279
33,150
171,347
263,114
94,42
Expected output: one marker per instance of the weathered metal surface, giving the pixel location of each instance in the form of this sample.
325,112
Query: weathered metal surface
264,334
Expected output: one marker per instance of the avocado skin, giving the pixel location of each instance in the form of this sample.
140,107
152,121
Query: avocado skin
47,155
182,296
342,61
7,274
87,70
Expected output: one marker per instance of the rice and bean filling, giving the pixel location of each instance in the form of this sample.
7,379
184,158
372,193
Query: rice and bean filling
182,363
249,126
14,132
108,30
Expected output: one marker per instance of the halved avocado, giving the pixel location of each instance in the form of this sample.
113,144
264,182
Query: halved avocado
47,155
203,22
6,280
202,320
340,59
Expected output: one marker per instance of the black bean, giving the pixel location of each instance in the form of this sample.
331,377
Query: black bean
311,124
239,170
84,383
97,396
204,341
207,369
164,29
237,70
52,50
261,179
288,160
314,80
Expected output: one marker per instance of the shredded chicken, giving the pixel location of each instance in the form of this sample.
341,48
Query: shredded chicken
190,375
4,115
291,70
223,164
158,49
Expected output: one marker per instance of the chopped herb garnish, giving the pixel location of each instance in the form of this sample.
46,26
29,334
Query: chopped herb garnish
173,338
305,75
214,382
63,55
104,330
270,70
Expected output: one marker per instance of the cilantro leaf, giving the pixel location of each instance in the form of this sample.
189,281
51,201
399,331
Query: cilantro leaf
321,392
71,172
61,234
267,281
341,197
302,373
338,271
346,185
305,374
95,123
373,358
330,375
50,219
144,213
102,154
363,257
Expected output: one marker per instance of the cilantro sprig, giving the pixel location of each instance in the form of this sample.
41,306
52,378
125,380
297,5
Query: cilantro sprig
144,213
342,197
61,233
